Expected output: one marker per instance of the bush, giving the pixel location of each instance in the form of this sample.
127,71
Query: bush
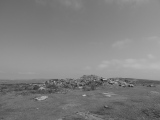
88,88
93,87
18,89
51,86
35,87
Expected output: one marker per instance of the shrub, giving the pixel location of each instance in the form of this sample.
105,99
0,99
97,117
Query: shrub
93,87
35,87
88,88
51,86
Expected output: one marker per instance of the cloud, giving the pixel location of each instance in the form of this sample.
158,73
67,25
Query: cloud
27,73
131,3
42,2
154,39
74,4
121,44
150,56
127,1
141,64
87,68
104,64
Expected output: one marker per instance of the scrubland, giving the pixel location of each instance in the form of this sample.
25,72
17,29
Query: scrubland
123,103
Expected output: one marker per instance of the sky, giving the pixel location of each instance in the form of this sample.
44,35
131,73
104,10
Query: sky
71,38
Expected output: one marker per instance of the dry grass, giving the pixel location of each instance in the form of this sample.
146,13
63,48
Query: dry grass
138,103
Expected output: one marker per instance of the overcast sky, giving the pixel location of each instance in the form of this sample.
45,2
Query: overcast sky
70,38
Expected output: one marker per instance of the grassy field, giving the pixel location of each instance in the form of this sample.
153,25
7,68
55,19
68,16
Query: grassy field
137,103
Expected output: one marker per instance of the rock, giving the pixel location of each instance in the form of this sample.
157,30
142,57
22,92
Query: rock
130,85
41,98
60,119
84,95
69,106
106,106
155,92
151,85
42,88
108,94
89,116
